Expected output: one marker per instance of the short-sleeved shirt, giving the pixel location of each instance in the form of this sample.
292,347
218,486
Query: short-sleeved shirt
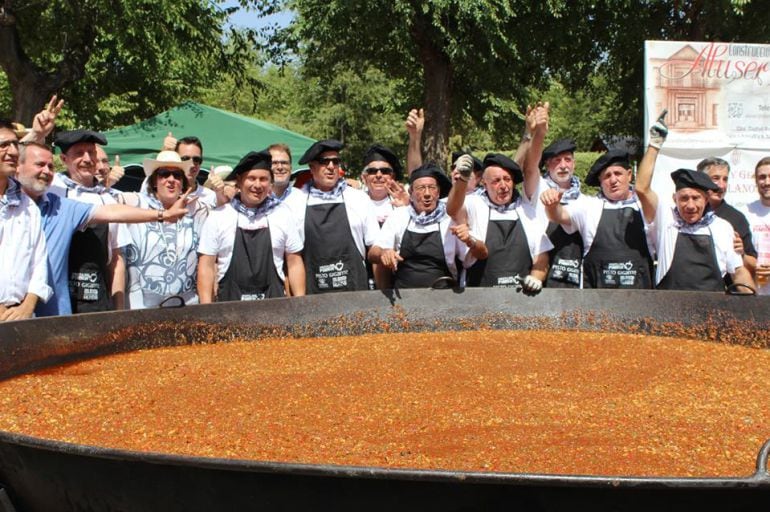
218,236
720,231
61,218
758,216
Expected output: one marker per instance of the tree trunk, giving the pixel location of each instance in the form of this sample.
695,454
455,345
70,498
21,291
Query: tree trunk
438,77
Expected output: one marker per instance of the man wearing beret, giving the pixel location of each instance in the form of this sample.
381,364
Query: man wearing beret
244,243
97,272
695,247
418,243
558,164
718,170
337,224
506,222
381,175
22,243
617,252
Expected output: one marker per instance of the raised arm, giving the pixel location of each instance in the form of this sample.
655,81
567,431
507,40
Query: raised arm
456,199
415,122
551,199
647,196
44,122
537,122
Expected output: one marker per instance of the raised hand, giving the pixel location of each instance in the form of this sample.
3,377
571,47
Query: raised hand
464,166
398,194
551,197
415,122
179,208
659,131
169,143
45,120
116,173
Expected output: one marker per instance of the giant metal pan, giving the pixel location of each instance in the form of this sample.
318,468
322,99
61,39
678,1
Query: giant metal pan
39,475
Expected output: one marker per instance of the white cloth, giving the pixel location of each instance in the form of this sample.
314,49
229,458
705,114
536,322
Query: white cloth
118,235
758,216
205,196
585,213
382,208
480,214
162,258
23,256
363,223
218,236
720,231
392,234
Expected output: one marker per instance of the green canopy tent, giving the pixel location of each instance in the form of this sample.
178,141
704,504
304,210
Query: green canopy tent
226,136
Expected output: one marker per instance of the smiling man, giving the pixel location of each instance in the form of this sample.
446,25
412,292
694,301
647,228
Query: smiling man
336,223
695,247
245,243
758,214
22,243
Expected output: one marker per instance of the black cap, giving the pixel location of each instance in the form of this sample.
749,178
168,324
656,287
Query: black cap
556,147
506,163
431,170
65,140
379,153
611,157
477,164
687,178
319,147
253,160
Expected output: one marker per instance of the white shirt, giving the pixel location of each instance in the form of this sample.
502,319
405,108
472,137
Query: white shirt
392,234
218,236
23,257
205,196
118,235
758,216
585,212
720,230
363,223
382,208
480,214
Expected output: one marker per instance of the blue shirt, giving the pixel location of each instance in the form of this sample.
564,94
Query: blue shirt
61,218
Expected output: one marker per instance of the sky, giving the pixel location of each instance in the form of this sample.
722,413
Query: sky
250,19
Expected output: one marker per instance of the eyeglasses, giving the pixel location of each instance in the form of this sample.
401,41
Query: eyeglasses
423,188
196,159
326,160
5,144
387,171
165,173
277,163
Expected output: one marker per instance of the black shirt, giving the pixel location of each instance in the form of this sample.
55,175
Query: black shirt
739,224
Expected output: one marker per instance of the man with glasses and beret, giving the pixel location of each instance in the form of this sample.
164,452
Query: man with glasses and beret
245,243
97,273
617,244
695,246
382,173
419,244
23,280
505,221
336,222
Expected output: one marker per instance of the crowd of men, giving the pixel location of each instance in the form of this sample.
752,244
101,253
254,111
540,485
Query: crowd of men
71,243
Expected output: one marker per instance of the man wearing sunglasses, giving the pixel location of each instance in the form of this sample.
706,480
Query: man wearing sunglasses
190,149
337,223
97,272
22,244
381,175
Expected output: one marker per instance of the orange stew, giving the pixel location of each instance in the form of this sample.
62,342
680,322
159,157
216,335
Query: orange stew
513,401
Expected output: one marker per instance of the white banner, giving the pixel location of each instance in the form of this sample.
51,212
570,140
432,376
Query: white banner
718,101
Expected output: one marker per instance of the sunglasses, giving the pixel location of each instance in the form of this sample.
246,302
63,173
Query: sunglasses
165,173
196,159
387,171
326,160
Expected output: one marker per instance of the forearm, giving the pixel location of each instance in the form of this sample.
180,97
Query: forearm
206,272
539,268
558,214
383,277
750,264
295,268
456,201
478,249
743,276
532,164
375,254
414,153
117,272
107,213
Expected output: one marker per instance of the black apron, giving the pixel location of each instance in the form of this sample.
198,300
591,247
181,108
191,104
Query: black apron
509,256
566,258
87,270
251,274
424,260
694,266
618,257
332,260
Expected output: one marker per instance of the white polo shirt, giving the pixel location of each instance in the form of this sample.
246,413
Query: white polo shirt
758,216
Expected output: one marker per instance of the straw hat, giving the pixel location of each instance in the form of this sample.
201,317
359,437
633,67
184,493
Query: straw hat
166,159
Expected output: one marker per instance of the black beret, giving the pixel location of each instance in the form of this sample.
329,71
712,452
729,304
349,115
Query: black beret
506,163
319,147
378,153
687,178
65,140
477,165
611,157
556,147
431,170
253,160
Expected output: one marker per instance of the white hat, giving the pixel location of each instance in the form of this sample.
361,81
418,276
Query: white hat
223,171
165,159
